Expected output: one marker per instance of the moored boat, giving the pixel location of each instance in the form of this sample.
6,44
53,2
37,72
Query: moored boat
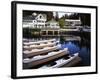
38,42
38,60
68,62
39,46
35,52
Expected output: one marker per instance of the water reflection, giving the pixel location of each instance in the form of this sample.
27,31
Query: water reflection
73,48
82,47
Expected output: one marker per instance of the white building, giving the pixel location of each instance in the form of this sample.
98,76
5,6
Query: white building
52,28
48,28
52,24
73,23
35,21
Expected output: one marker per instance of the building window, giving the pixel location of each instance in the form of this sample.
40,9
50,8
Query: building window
40,17
45,24
43,32
48,24
55,32
56,24
50,32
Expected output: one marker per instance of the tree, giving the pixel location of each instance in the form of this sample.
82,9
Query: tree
85,18
56,17
61,23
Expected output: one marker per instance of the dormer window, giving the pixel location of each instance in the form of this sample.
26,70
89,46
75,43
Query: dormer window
40,17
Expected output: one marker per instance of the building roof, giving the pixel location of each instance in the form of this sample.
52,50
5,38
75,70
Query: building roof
44,15
52,21
72,20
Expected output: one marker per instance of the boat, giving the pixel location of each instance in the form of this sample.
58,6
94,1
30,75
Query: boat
34,52
64,62
38,42
38,60
39,46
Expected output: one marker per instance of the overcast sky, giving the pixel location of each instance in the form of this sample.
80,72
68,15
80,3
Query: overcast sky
60,14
